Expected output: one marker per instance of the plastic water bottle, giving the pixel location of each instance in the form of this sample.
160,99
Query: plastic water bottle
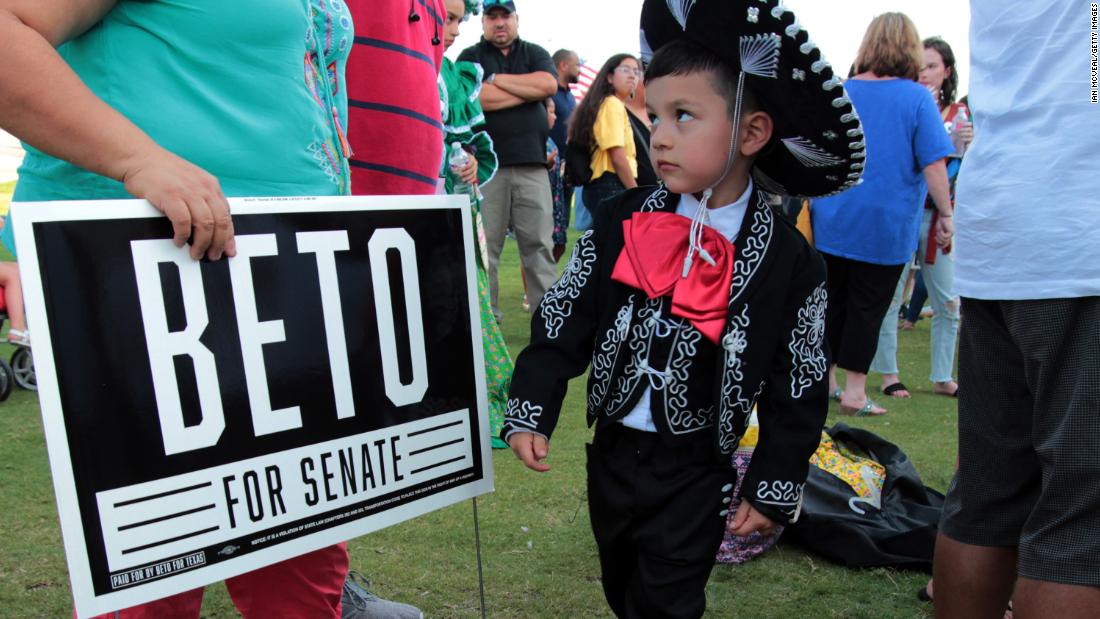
458,160
960,117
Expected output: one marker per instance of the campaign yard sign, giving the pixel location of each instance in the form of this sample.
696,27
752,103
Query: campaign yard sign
205,418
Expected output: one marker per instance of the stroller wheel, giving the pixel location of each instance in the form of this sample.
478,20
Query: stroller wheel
22,368
7,380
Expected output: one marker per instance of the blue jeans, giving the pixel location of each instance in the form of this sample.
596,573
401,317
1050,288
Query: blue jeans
917,299
582,217
939,278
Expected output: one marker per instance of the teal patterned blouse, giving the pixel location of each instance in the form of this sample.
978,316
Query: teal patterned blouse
250,90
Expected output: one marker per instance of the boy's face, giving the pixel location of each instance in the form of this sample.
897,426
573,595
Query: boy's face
691,131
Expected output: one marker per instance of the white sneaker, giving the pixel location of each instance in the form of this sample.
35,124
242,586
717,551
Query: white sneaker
359,603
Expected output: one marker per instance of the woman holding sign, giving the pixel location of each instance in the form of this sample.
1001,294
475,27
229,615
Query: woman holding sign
183,103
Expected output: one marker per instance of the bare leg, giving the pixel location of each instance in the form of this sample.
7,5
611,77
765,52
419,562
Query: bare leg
13,295
972,582
947,387
832,379
1038,598
855,393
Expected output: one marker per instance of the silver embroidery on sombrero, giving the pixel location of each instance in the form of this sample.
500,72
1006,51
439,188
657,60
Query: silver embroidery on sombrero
806,346
734,404
557,304
768,183
641,337
809,154
522,414
681,419
647,50
793,29
681,9
606,353
760,54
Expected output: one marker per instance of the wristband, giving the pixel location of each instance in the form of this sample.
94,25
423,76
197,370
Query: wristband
490,78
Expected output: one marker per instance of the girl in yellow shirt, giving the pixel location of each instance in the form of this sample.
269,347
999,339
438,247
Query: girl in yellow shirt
601,126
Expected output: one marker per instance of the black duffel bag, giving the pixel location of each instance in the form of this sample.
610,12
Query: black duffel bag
897,531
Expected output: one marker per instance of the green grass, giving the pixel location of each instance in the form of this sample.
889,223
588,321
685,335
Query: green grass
539,557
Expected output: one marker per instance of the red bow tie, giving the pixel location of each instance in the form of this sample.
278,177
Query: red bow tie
652,260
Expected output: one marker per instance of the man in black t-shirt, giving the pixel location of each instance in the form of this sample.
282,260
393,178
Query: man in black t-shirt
519,77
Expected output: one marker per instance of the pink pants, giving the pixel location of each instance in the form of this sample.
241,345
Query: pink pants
305,587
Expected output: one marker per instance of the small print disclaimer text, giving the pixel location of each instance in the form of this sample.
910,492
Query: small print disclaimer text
1094,31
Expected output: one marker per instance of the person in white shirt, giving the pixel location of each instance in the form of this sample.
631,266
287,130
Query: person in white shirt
1022,517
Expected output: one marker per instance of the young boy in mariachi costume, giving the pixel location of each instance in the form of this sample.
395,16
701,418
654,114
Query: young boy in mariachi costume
693,301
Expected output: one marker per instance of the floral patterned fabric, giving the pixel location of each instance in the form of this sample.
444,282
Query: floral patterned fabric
865,476
737,549
557,188
459,84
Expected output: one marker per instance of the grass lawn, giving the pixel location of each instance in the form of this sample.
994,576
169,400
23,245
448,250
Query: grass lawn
539,557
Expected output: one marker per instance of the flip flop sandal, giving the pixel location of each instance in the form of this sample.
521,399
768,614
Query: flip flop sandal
19,338
948,395
894,388
836,394
866,411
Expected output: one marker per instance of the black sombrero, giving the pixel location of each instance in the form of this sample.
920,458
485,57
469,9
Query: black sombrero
817,148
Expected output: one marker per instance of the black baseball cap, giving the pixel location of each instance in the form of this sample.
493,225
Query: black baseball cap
507,5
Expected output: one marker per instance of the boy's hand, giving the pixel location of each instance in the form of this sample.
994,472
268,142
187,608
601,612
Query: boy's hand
748,520
531,449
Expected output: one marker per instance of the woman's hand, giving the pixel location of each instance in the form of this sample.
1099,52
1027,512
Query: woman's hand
945,231
468,174
551,159
68,121
965,131
190,197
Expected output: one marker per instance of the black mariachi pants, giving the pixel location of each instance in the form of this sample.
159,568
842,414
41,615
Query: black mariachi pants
658,515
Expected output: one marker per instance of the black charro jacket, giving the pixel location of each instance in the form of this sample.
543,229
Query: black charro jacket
770,354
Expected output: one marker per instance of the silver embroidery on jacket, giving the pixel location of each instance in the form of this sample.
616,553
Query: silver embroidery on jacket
681,419
606,353
557,304
807,354
522,414
655,201
784,495
641,336
734,403
751,252
750,255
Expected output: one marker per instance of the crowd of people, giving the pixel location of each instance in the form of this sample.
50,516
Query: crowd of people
689,298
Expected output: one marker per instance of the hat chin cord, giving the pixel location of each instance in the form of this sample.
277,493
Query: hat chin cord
695,234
